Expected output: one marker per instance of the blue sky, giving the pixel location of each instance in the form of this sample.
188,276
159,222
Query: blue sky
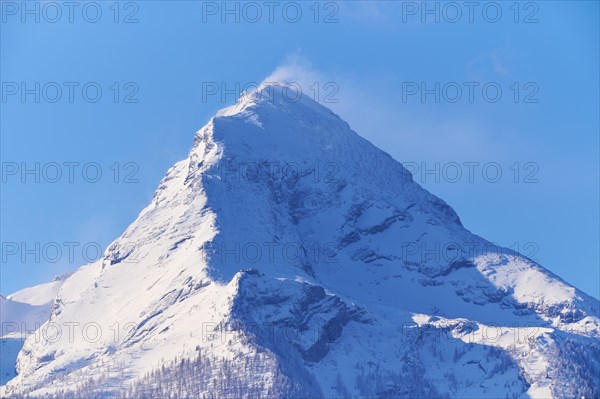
372,54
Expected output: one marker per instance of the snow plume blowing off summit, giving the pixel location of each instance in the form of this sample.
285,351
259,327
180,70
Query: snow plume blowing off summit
287,257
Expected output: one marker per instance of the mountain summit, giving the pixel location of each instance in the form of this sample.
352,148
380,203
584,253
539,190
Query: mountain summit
287,257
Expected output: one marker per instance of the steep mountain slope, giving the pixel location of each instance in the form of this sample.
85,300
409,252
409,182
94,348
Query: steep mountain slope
288,257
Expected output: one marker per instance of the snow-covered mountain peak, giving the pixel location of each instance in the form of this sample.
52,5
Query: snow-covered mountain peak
289,257
273,107
280,95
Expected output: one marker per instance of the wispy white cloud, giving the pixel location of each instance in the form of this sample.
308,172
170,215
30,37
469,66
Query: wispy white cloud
295,68
410,132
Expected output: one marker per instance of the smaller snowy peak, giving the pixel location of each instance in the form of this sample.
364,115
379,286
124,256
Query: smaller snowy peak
41,294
